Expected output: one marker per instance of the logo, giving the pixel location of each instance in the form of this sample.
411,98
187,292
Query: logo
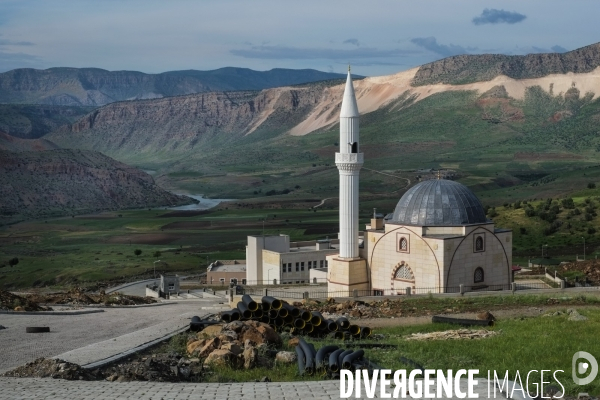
582,367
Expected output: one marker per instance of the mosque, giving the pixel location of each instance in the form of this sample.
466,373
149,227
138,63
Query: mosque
437,239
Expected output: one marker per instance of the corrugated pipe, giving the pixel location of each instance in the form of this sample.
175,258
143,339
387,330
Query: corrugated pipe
250,304
316,319
301,359
350,358
343,323
272,302
323,354
244,311
309,365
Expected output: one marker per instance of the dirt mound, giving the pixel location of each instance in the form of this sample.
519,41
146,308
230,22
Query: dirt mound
80,297
591,269
9,301
51,368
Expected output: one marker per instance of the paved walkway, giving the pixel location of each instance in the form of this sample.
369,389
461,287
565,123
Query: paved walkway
30,388
90,334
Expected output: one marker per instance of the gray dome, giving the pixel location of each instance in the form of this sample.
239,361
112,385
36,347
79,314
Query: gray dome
439,202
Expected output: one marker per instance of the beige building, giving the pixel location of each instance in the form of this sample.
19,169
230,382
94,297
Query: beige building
226,271
276,260
437,239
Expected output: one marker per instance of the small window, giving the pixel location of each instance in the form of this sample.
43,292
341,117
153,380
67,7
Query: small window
233,280
243,281
326,263
302,266
297,267
478,276
479,244
309,264
297,281
283,268
404,273
377,292
403,244
321,264
289,267
222,280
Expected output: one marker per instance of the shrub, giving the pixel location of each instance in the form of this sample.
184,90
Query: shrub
591,230
523,230
137,252
591,185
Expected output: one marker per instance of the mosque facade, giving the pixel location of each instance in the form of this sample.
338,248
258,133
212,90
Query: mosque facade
437,239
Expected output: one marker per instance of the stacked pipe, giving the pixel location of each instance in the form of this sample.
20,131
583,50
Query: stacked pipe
328,360
283,317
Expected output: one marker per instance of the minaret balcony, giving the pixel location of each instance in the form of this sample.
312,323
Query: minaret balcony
355,158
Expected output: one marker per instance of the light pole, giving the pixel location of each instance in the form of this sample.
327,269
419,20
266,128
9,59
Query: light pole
583,248
155,268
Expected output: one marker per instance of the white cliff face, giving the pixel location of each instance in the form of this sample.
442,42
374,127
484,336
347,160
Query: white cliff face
349,162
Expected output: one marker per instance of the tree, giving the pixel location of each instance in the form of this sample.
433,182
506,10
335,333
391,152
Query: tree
591,185
157,254
13,261
137,252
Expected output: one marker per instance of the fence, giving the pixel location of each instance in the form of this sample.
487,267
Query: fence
323,294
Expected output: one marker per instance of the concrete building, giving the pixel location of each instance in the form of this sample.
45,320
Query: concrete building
224,272
274,259
169,284
437,238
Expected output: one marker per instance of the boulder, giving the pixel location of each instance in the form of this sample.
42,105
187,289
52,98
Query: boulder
210,331
228,336
293,342
234,348
210,346
250,357
575,316
196,344
235,326
260,334
285,357
486,316
221,358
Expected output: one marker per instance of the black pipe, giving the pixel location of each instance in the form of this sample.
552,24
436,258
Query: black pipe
257,314
309,365
305,315
282,312
365,331
235,314
272,313
354,329
292,310
244,311
308,327
265,319
350,358
301,359
336,335
332,326
334,366
322,355
272,302
299,323
346,335
250,304
317,318
340,359
278,321
195,318
226,316
462,321
343,323
288,320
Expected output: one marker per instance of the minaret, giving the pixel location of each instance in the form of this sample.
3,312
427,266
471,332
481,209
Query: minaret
349,162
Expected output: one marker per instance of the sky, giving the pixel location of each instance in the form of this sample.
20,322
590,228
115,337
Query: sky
378,37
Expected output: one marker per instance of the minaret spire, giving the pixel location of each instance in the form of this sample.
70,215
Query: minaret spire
349,162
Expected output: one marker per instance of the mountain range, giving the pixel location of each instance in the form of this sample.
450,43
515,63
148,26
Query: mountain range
97,87
500,123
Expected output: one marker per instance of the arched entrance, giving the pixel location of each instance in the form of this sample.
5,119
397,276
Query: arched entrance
402,277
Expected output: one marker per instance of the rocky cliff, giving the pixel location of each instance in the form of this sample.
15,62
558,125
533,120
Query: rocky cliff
59,182
96,87
14,144
463,69
31,121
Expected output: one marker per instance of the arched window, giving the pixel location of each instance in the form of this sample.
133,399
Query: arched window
478,276
404,273
403,244
479,243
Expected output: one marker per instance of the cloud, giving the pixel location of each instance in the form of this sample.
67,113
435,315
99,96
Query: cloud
307,53
558,49
352,41
431,44
494,16
4,42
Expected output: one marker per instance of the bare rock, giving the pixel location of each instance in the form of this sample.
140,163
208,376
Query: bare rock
285,357
250,357
575,316
210,331
221,358
486,316
235,326
210,346
262,333
293,342
234,348
191,347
